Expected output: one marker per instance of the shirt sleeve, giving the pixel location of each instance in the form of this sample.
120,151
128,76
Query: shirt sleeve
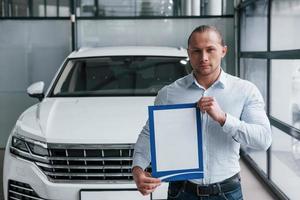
253,128
141,155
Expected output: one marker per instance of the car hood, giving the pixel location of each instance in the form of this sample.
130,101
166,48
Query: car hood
104,120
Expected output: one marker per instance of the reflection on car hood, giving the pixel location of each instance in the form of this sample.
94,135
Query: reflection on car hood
86,120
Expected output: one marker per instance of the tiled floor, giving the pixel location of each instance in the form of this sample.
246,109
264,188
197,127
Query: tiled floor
252,188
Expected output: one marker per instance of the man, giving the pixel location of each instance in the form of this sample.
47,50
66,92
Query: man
232,114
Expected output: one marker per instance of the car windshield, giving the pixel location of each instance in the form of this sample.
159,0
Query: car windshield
118,75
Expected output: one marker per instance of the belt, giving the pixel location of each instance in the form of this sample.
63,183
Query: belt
227,185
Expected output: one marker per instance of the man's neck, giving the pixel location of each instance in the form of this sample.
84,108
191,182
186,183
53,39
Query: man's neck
207,81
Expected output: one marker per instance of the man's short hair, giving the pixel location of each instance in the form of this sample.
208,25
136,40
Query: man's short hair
204,28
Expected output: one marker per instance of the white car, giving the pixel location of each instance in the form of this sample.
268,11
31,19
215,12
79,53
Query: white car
77,143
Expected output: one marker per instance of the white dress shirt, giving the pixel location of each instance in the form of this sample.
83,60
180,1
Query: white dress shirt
246,123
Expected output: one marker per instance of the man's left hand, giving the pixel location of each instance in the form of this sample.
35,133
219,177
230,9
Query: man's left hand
211,106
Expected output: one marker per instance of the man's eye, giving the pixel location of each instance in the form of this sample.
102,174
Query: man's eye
210,50
196,51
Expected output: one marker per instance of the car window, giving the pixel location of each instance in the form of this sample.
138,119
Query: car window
118,75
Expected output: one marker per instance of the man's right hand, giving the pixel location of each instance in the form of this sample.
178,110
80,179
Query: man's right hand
144,182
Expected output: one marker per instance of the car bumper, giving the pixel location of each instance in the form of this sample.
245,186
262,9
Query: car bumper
22,177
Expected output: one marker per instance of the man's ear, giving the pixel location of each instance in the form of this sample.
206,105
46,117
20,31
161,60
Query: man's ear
224,51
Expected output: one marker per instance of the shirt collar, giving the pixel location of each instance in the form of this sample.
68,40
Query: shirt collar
222,80
190,80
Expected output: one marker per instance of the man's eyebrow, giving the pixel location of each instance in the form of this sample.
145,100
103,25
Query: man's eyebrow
197,48
211,46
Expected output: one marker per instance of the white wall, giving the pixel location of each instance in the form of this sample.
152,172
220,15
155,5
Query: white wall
29,51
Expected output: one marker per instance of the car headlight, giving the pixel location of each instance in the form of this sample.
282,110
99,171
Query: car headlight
38,150
19,144
29,149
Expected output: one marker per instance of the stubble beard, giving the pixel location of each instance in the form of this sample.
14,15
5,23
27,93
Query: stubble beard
202,73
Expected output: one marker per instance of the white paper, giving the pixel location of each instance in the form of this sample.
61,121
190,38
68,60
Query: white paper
176,139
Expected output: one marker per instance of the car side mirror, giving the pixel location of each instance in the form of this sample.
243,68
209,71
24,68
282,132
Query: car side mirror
36,90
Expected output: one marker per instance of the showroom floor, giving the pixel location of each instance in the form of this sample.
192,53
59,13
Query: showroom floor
252,188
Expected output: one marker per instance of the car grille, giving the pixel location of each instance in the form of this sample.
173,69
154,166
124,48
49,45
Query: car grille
101,162
20,191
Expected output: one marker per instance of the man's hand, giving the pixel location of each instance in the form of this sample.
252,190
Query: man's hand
144,182
211,106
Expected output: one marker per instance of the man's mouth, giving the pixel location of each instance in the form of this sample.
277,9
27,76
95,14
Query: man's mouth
204,66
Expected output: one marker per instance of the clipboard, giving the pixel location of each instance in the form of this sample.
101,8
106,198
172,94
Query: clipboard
176,142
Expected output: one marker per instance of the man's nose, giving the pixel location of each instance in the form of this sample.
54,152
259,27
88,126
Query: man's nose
204,56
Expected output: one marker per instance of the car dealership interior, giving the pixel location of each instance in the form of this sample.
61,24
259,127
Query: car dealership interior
141,46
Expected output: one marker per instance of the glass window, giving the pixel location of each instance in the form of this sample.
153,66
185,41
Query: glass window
126,8
285,91
86,8
228,8
123,8
285,25
119,75
19,8
135,8
285,163
255,70
38,8
51,8
124,32
254,26
64,8
2,9
118,8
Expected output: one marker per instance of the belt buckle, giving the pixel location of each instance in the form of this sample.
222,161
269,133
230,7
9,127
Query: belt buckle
199,193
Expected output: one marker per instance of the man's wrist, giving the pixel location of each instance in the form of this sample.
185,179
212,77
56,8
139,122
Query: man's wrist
137,170
223,119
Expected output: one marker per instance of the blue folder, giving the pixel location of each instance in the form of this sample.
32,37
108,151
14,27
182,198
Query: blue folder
176,174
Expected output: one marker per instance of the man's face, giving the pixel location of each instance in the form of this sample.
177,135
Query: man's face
205,52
